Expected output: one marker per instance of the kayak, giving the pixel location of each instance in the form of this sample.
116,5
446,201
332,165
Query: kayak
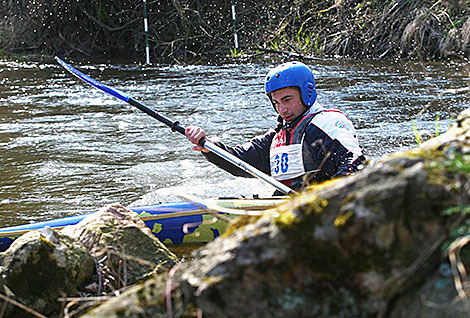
174,223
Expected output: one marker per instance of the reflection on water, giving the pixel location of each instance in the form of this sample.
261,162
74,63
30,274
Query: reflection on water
67,148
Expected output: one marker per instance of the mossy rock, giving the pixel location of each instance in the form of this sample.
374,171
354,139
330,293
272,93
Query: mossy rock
124,247
42,266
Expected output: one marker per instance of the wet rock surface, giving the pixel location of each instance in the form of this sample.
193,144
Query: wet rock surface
39,268
124,249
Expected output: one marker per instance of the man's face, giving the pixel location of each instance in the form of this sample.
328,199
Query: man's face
288,103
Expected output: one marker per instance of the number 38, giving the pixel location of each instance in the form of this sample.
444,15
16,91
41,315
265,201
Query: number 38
281,162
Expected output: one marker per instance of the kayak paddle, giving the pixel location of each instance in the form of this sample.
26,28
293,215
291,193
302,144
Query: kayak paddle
175,126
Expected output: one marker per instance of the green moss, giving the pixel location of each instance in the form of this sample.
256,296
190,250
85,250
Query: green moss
459,231
443,171
435,174
457,209
349,198
285,219
47,242
424,153
239,223
306,204
343,218
213,279
458,163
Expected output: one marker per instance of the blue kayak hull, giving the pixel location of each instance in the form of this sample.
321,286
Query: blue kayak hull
175,223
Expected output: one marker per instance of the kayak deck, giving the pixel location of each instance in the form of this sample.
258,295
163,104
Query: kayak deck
173,223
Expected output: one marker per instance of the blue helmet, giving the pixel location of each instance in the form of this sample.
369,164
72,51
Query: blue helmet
292,74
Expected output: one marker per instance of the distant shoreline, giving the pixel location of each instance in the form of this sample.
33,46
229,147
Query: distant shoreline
204,31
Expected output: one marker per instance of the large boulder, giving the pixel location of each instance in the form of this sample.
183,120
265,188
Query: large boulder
39,268
124,248
368,245
346,248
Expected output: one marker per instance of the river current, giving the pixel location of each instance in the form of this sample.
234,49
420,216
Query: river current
67,148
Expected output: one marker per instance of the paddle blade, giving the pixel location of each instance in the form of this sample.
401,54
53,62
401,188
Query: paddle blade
92,82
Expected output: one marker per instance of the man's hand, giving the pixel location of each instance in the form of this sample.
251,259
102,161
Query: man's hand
194,134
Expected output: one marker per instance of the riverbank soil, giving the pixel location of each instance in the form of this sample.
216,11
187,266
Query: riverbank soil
186,30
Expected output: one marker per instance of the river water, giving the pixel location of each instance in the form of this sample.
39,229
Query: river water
67,148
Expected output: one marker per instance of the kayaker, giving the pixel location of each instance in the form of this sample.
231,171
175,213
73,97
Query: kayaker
311,144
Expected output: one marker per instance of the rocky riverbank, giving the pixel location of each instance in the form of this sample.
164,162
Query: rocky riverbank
389,241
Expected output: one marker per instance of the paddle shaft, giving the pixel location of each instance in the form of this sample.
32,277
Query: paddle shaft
175,126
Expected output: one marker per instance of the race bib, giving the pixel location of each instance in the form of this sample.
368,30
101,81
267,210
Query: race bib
287,162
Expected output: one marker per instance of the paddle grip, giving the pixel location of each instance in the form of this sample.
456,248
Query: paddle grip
202,142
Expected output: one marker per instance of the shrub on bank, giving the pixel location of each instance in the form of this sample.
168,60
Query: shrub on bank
188,30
